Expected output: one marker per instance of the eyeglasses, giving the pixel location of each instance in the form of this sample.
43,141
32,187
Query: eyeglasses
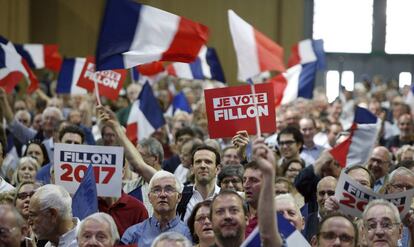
24,195
287,143
386,225
202,219
169,190
331,236
326,192
401,187
5,232
293,170
233,181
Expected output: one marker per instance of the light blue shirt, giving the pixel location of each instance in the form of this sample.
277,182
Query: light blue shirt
310,155
145,232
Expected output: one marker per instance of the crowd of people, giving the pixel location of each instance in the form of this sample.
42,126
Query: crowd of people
180,188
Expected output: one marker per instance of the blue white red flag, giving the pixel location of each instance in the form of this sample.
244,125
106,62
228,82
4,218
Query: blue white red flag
133,34
145,117
85,199
180,103
13,68
40,56
255,52
306,59
357,148
69,75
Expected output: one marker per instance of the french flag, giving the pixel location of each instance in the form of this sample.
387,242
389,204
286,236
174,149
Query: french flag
255,52
179,102
356,149
133,34
40,56
306,59
13,68
145,117
206,66
288,231
69,75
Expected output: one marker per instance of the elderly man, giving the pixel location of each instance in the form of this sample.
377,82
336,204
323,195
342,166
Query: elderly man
13,228
310,151
287,206
50,215
98,229
171,239
164,195
382,223
379,164
406,137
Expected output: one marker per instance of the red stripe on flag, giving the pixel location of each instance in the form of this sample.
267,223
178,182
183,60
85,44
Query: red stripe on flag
132,132
10,81
340,151
33,82
279,83
270,54
187,42
151,68
53,60
294,56
171,70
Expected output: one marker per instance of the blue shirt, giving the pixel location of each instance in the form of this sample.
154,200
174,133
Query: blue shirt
310,155
145,232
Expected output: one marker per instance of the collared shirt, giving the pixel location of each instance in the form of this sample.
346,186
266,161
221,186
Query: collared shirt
378,184
196,198
69,238
145,232
310,155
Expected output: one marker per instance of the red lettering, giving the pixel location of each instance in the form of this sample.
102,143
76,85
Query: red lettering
67,175
361,205
77,172
96,171
110,172
348,201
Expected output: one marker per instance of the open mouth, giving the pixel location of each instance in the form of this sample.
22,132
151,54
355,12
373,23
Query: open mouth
206,229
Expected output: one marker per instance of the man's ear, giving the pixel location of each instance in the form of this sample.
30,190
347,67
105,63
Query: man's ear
314,241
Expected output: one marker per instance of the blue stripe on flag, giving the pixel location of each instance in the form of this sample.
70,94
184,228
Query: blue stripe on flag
85,200
150,107
64,81
117,33
363,116
285,227
215,66
3,40
181,102
196,69
2,58
20,49
307,80
320,53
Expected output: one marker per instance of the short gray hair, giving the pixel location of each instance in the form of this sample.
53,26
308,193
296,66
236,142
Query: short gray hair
101,218
400,171
172,237
165,174
382,202
53,110
289,197
154,147
54,196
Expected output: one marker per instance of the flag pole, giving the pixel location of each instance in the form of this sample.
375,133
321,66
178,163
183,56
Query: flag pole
258,129
98,100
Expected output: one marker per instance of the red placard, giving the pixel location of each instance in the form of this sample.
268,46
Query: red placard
231,109
109,81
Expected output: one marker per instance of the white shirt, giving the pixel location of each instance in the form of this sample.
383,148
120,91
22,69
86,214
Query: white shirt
69,238
4,186
196,198
181,173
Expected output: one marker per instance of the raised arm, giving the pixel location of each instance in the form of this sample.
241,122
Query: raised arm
131,153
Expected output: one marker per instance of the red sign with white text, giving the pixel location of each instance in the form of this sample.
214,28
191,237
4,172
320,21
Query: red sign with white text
109,81
231,109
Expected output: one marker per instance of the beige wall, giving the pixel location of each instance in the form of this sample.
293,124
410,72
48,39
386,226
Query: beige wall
74,24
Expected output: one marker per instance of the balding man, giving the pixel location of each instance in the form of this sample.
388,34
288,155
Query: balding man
310,151
379,164
98,229
13,228
405,125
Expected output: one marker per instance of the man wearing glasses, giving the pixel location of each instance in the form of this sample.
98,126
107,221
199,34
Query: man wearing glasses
165,193
290,142
379,164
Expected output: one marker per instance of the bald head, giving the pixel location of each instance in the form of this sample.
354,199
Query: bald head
379,162
325,188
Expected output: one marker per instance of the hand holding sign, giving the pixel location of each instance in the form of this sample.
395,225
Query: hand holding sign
240,141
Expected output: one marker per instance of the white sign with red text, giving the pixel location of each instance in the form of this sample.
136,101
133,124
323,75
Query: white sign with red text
72,161
353,197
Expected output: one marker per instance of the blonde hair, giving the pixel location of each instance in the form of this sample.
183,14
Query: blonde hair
22,161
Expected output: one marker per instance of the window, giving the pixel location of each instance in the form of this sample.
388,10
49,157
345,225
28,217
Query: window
347,80
404,79
344,25
332,85
399,37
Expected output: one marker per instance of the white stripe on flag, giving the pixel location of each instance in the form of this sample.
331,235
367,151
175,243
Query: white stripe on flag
292,87
77,69
36,51
204,65
149,37
363,140
183,70
297,239
306,53
13,61
145,128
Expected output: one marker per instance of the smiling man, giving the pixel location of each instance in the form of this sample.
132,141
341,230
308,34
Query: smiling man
379,163
290,141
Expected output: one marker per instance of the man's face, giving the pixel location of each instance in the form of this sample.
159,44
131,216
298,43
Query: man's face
204,166
400,183
230,157
185,154
281,188
164,196
405,125
361,176
252,181
288,146
95,233
10,233
181,140
308,129
40,219
148,158
378,163
232,183
334,130
228,218
290,212
108,137
336,231
49,121
71,138
326,188
381,228
37,122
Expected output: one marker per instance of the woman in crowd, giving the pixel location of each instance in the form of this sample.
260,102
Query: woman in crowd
200,225
36,150
26,171
22,197
291,168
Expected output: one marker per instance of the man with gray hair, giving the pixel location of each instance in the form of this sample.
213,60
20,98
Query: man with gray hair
98,229
400,179
152,152
50,215
171,239
165,193
379,164
13,228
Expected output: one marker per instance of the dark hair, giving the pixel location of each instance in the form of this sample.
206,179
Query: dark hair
184,131
371,176
283,180
3,147
42,147
297,135
226,192
285,165
72,129
338,214
191,219
251,165
230,170
209,148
